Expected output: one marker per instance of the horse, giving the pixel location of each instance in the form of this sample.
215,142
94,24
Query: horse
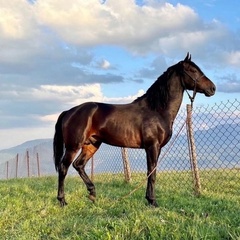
145,123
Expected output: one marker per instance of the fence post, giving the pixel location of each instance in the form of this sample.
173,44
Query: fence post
92,169
38,165
126,165
7,169
28,168
192,151
16,165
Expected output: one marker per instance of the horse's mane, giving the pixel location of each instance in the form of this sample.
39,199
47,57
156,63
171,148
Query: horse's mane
157,95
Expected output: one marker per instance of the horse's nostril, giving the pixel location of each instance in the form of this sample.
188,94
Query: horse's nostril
214,88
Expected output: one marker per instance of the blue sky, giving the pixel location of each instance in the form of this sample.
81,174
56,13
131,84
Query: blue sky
56,54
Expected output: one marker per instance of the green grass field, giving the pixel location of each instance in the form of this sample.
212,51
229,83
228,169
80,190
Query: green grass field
29,209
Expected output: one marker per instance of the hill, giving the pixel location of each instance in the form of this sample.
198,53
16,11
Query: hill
7,154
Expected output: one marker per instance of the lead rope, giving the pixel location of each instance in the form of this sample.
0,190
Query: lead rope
143,182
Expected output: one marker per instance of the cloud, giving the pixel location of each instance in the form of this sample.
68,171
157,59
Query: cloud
97,97
156,68
233,58
124,23
105,64
90,23
48,37
154,26
32,107
26,107
122,100
229,84
70,94
17,21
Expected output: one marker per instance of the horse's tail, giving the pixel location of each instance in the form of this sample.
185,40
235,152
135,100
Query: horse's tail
58,143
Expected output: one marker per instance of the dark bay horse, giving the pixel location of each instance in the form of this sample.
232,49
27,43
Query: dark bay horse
145,123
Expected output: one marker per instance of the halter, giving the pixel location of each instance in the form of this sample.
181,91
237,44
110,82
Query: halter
195,86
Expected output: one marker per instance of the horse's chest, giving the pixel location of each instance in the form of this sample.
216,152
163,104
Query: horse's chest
155,131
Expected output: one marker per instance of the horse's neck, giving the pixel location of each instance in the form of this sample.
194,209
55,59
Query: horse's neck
175,99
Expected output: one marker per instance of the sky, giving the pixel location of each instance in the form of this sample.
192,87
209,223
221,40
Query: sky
56,54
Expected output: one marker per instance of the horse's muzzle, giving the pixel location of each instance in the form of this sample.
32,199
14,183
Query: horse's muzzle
210,91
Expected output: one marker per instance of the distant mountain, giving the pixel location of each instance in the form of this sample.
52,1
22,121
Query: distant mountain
217,147
7,154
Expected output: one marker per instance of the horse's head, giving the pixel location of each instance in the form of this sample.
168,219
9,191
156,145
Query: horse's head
194,79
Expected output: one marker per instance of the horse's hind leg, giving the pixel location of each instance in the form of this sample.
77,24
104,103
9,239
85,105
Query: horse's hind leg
79,164
62,172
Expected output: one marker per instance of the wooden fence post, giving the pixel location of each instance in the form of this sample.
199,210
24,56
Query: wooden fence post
126,165
28,168
7,169
38,165
92,169
16,165
192,151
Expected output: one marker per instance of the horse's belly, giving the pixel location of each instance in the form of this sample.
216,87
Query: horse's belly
122,138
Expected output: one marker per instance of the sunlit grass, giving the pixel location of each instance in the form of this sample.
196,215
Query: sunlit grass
29,209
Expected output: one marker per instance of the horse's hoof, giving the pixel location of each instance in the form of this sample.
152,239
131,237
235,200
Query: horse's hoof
62,202
152,203
92,198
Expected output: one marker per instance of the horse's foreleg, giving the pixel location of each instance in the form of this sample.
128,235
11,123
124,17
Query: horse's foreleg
152,158
62,172
80,163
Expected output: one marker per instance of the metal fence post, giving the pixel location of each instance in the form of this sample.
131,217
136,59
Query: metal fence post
192,151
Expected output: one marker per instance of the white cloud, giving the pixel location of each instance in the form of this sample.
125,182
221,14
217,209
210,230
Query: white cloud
123,100
229,84
52,118
68,91
114,22
75,95
233,58
49,100
49,118
67,96
16,19
153,27
105,64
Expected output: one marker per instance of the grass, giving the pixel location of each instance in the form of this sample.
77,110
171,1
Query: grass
29,210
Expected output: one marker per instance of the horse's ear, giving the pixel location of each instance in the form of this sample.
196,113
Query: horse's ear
187,58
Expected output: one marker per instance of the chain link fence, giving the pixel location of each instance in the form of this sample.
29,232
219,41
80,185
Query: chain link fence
217,139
